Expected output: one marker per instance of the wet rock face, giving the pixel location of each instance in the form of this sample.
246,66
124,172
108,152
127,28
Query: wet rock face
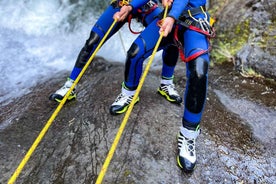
250,28
229,148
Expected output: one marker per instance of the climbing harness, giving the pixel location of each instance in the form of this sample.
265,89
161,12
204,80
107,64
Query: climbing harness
181,49
200,25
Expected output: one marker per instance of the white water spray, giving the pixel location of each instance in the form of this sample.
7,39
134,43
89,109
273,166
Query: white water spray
37,40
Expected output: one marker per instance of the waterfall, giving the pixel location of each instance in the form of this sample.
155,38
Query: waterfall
40,38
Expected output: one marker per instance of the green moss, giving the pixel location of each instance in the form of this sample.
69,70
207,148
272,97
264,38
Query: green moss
229,42
127,173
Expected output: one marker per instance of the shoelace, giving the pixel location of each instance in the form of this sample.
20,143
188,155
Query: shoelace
171,89
66,88
119,97
190,144
122,96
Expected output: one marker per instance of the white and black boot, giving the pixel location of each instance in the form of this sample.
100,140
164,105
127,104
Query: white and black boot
186,158
121,103
60,93
167,89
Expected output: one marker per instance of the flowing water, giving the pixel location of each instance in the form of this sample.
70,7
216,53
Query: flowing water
40,38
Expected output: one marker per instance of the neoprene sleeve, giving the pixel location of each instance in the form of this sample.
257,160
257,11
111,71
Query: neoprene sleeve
177,8
137,3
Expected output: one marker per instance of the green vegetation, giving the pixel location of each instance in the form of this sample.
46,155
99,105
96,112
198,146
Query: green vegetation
227,43
250,73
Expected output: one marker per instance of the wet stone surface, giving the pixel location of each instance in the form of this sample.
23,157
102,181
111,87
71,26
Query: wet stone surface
236,145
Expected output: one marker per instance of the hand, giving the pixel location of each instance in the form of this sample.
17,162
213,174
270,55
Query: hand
167,25
167,3
123,13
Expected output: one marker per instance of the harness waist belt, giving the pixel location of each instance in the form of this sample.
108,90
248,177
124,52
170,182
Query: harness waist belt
194,11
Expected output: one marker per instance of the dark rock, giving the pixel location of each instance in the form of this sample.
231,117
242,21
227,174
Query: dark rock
251,30
74,148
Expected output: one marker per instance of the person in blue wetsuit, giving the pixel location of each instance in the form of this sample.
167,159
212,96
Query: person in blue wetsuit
145,11
187,27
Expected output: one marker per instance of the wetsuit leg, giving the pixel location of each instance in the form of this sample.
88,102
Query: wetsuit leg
141,49
197,78
97,33
170,57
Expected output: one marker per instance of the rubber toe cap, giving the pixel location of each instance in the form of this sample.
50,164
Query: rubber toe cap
115,109
185,164
55,97
178,99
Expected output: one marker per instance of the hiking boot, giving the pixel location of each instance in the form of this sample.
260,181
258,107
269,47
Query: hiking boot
121,104
186,158
170,93
60,93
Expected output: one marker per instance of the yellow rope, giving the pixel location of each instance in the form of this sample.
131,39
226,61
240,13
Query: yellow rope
124,122
49,122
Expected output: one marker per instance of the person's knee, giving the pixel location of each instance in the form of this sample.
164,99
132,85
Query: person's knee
87,49
92,40
133,51
198,68
134,63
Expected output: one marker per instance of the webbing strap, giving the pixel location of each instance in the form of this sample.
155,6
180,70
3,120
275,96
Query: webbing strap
142,20
129,25
178,43
181,49
201,26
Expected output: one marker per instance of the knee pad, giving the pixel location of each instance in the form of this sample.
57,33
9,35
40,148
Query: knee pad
133,50
197,85
198,68
92,40
131,53
87,49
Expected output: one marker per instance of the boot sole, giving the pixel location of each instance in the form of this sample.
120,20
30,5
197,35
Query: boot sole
165,95
124,109
183,168
68,99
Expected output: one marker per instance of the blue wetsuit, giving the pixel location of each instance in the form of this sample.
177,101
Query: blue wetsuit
195,48
146,11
